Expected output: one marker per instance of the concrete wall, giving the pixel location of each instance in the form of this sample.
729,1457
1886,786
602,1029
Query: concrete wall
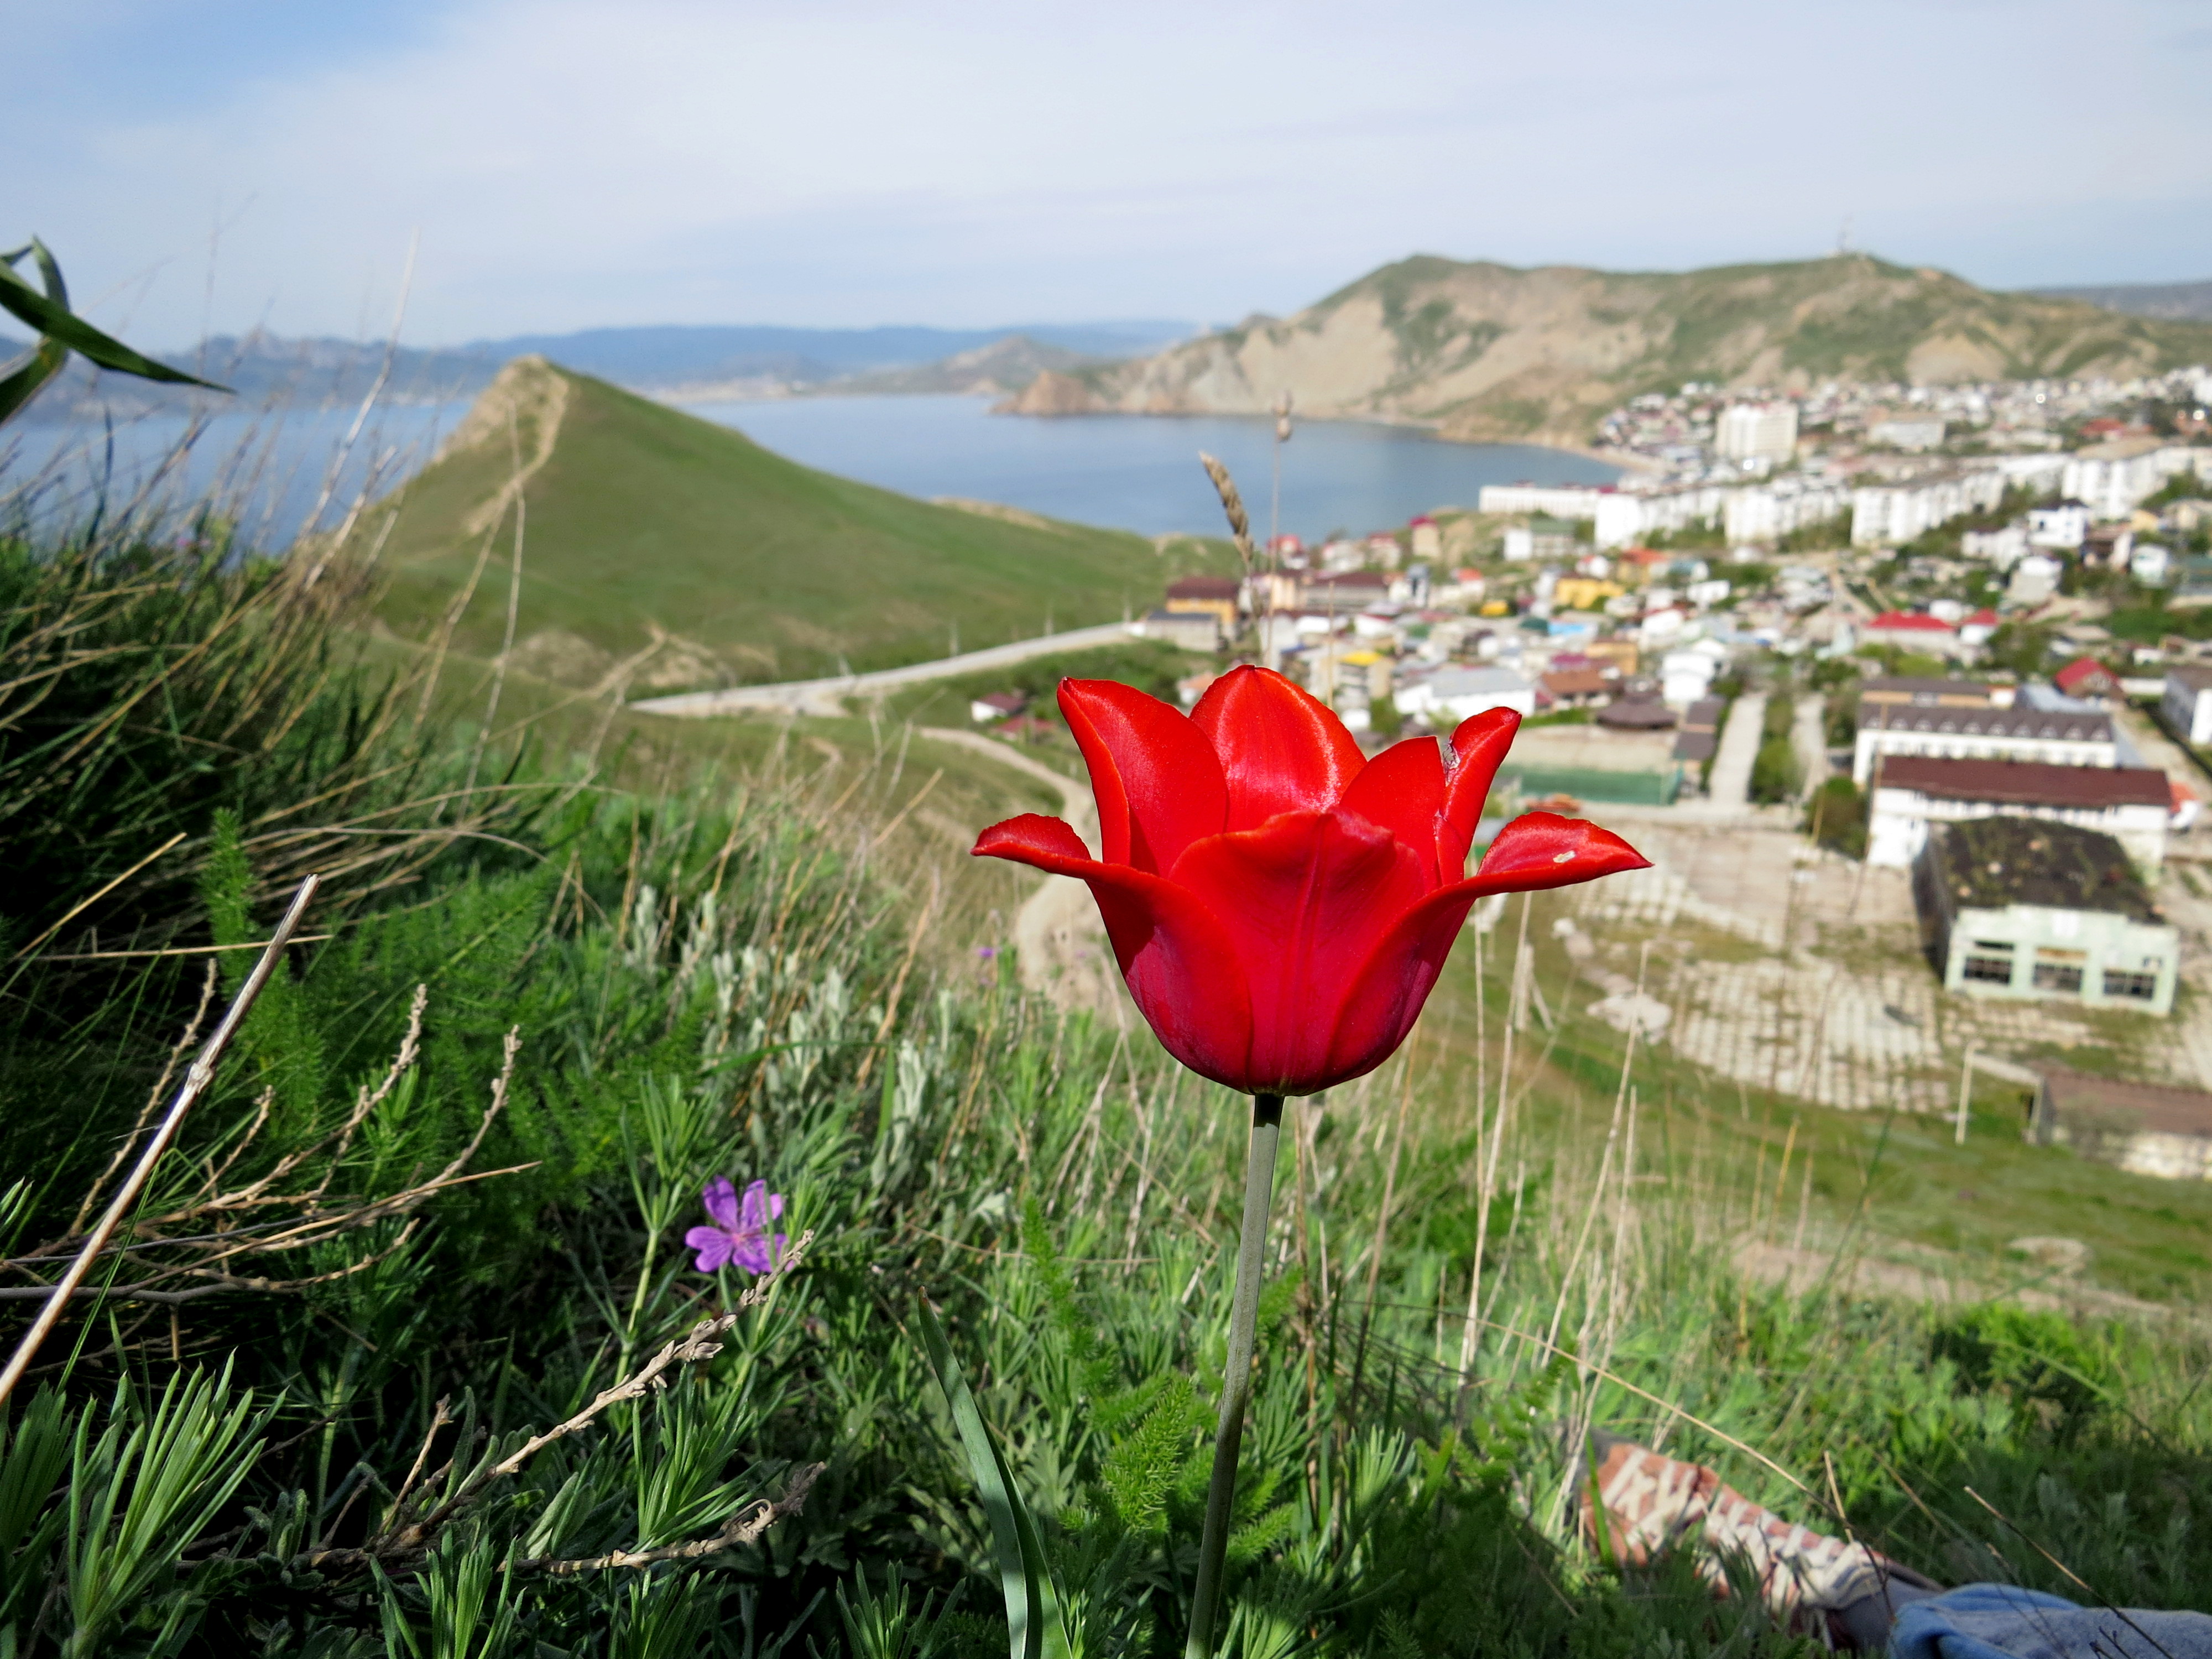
2057,956
1897,827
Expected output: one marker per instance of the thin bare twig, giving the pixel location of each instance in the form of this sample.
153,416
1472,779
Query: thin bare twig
195,1085
153,1101
744,1527
702,1342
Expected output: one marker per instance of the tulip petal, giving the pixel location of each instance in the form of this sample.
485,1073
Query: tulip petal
1537,850
1478,746
1303,900
1281,749
1175,954
1402,790
1540,850
1158,780
1032,838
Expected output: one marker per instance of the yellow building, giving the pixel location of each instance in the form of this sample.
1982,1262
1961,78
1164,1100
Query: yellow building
1583,592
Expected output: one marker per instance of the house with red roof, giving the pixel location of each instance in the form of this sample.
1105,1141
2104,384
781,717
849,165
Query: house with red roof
1913,630
2088,679
1976,629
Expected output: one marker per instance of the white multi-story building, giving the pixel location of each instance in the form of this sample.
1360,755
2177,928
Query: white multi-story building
2132,805
1890,514
2044,736
1554,500
1912,431
2065,526
1757,432
2002,548
2187,704
2112,484
1760,513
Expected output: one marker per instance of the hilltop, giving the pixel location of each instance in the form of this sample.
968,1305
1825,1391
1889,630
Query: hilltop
1490,351
1004,365
679,551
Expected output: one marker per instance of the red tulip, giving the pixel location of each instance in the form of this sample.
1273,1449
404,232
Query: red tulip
1280,905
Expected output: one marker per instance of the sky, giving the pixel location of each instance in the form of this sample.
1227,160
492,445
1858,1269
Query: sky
548,164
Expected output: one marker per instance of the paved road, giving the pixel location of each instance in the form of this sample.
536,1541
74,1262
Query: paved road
827,697
1809,733
1729,789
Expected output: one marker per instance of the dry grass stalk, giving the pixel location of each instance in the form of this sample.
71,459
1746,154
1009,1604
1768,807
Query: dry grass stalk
195,1085
742,1529
403,1539
1232,504
205,1239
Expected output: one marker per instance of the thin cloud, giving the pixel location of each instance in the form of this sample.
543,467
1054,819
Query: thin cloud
574,163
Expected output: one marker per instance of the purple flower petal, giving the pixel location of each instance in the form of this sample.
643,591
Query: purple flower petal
715,1246
775,1206
755,1207
749,1253
720,1198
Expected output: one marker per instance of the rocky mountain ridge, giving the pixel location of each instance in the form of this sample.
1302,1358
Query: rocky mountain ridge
1485,352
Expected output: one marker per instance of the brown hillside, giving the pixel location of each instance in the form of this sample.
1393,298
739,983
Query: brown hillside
1490,351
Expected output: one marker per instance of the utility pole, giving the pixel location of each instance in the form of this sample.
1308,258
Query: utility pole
1965,1093
1275,504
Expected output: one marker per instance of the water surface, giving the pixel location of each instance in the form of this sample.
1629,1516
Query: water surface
277,472
1141,472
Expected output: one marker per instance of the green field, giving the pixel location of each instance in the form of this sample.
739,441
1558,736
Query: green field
642,523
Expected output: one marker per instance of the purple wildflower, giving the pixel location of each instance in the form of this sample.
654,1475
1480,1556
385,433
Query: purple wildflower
987,952
740,1236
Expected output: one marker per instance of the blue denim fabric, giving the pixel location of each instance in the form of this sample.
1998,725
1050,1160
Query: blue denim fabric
2001,1621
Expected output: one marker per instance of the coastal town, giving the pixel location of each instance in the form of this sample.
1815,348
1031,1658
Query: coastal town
1918,705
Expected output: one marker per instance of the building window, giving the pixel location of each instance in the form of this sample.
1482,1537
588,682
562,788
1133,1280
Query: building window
2142,987
1987,971
2059,971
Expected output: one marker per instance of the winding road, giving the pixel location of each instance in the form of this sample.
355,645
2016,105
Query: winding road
1059,940
827,697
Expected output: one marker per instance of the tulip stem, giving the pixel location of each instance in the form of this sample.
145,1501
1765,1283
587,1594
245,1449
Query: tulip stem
1236,1374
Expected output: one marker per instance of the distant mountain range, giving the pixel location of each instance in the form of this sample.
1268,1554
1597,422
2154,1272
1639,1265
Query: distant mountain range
2187,301
1487,351
665,361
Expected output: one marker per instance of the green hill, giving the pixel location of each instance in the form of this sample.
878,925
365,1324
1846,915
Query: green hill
1491,351
649,534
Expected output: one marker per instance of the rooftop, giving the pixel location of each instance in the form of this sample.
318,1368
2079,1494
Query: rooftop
1909,622
2026,783
2196,676
1989,722
2140,1105
1636,714
1204,587
1905,688
1575,683
1990,863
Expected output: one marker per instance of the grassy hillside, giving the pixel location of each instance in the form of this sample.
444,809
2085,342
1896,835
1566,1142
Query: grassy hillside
1491,351
679,552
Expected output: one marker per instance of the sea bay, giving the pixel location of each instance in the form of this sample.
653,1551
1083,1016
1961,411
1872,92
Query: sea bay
273,472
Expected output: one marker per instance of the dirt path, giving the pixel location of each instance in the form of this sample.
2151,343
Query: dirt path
1058,937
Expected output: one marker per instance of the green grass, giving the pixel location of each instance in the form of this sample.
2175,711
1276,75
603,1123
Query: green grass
642,519
725,949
